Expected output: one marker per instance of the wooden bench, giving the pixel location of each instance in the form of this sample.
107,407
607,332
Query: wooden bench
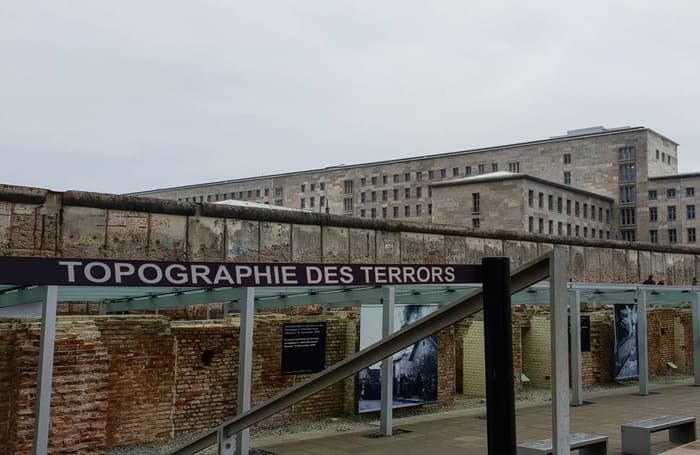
636,436
586,444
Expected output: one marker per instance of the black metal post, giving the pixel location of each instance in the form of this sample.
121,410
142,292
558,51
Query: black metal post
498,343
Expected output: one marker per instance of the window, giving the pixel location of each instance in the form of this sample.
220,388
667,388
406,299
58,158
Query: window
250,193
312,202
540,226
347,204
443,173
476,223
321,186
209,198
691,235
654,235
568,229
385,179
600,214
383,212
267,191
322,201
430,191
257,192
690,191
550,202
431,175
530,198
514,166
585,232
585,211
568,207
551,227
652,195
530,224
363,181
419,192
407,211
481,169
419,210
577,231
567,178
374,196
362,197
626,153
396,212
396,178
627,216
607,216
419,176
657,154
476,209
362,213
407,177
567,158
690,211
374,180
396,194
628,236
303,188
407,193
627,194
560,203
663,157
627,173
671,213
494,167
576,209
653,214
671,192
455,171
278,202
672,237
560,229
374,212
468,171
540,200
385,195
347,186
430,209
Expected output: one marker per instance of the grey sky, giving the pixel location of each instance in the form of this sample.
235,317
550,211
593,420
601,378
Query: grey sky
131,95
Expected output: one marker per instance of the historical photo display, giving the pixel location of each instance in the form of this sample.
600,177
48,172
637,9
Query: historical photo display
626,360
415,368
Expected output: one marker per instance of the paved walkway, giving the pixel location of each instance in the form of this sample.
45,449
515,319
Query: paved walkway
464,432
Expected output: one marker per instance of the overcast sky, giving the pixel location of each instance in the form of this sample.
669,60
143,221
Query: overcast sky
120,96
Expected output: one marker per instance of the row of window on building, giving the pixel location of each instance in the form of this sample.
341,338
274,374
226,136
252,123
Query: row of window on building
664,157
671,213
672,235
374,212
240,195
577,212
571,229
671,193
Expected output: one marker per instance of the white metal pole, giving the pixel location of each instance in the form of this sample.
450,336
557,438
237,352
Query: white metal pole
696,339
558,273
245,366
45,376
387,398
642,348
576,380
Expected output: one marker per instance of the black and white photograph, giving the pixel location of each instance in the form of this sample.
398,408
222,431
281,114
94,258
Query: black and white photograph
626,354
415,368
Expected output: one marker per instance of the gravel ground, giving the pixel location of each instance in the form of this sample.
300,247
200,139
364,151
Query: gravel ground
528,397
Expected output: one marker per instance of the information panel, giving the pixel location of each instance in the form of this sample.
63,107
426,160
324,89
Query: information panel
303,347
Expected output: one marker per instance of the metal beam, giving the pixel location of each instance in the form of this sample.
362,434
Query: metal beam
45,376
387,371
199,297
558,273
245,367
575,346
642,349
696,339
460,308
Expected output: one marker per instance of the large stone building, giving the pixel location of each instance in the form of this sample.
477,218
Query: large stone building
628,175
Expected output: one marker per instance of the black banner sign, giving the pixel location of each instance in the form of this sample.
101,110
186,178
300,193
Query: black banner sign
303,348
110,272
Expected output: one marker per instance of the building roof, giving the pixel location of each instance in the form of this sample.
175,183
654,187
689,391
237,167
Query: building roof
571,135
504,176
675,176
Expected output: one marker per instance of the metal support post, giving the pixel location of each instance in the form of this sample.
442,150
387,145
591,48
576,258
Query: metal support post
575,334
245,366
387,397
498,344
642,348
45,377
696,339
558,275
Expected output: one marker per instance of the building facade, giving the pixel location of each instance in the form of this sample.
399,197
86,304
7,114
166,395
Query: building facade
618,164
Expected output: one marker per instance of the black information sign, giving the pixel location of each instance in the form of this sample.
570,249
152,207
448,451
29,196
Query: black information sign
303,347
585,334
110,272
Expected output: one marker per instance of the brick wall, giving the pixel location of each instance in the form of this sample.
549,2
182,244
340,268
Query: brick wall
537,352
670,340
7,380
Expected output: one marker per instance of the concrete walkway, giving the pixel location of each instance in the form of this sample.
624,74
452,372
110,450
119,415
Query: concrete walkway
466,433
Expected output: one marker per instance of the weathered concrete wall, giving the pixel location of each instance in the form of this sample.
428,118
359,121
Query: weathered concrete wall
36,222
